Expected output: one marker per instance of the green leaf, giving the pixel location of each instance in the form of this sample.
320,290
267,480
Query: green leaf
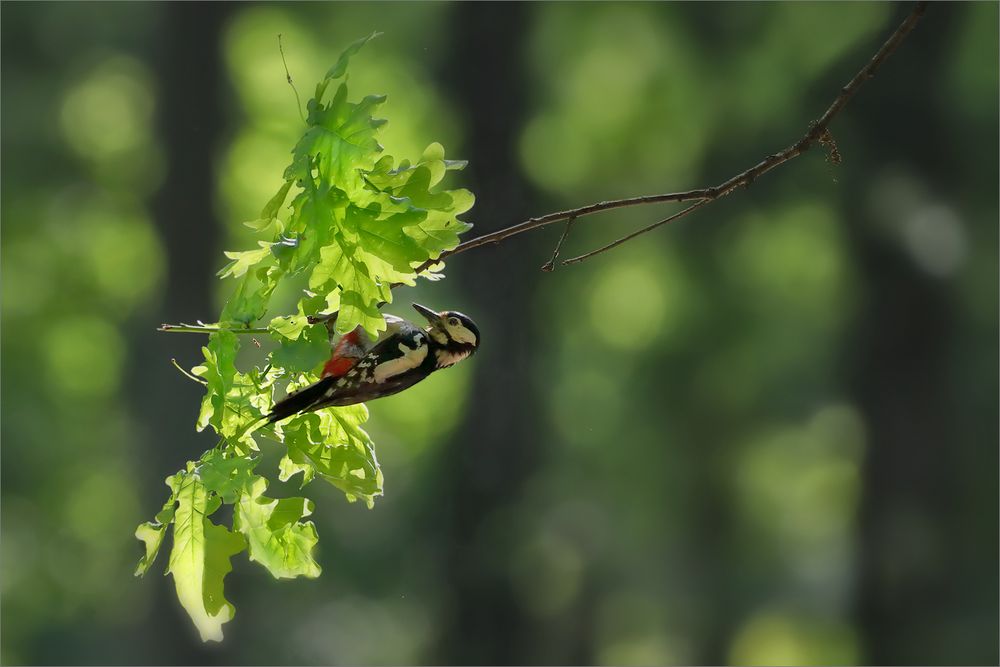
226,477
356,307
345,272
272,207
250,298
340,67
233,401
287,468
244,261
151,533
200,557
385,240
414,186
305,353
340,142
275,534
332,443
219,371
260,224
289,326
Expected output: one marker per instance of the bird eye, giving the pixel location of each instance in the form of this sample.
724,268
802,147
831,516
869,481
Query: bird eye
453,321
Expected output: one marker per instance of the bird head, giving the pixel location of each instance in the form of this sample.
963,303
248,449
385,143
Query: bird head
456,336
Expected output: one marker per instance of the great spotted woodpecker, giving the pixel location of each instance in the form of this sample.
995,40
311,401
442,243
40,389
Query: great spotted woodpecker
402,357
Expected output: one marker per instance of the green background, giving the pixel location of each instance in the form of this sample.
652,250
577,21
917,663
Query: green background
767,434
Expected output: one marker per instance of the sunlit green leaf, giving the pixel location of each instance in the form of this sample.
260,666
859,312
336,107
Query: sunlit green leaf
243,261
277,537
250,298
151,533
289,326
340,67
332,443
218,371
226,477
200,557
287,468
274,205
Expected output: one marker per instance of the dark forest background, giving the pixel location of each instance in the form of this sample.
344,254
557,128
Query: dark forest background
766,435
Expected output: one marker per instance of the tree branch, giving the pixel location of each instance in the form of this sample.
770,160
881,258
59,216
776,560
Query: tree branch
818,132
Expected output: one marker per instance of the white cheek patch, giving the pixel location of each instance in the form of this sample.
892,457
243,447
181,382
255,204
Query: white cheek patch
446,358
460,334
412,357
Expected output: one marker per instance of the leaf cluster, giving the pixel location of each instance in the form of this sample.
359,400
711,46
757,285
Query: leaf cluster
358,222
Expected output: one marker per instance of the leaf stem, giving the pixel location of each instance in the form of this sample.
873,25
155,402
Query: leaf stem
288,77
187,374
206,329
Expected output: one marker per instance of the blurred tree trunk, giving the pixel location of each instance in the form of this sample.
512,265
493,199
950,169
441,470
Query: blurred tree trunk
191,121
902,389
903,378
496,448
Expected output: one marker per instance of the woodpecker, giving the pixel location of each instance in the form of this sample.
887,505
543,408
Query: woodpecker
402,357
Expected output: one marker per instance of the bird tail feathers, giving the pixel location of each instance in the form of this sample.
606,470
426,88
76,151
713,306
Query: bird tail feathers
301,401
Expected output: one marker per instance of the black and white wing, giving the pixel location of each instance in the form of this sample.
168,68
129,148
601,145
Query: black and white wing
394,363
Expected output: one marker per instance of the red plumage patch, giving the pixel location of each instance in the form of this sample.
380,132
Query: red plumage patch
338,366
346,353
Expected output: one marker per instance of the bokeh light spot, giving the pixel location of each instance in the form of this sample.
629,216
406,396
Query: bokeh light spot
628,304
110,111
772,638
798,488
546,574
83,356
632,629
935,238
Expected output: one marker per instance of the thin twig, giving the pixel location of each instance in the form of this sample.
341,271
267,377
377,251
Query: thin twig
192,328
288,77
614,244
551,264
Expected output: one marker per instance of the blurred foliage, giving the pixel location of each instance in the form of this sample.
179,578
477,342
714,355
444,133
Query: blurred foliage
767,435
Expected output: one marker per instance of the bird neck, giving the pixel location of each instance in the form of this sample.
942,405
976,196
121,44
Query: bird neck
446,356
445,351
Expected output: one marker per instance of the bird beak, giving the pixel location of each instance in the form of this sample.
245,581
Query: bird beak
431,316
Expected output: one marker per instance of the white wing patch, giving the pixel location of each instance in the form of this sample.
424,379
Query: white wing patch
411,358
